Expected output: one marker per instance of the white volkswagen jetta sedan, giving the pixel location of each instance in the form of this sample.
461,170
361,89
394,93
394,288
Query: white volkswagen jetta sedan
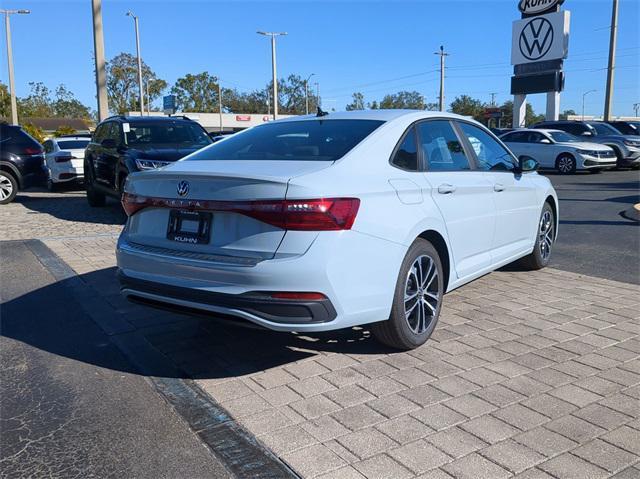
320,223
561,151
64,159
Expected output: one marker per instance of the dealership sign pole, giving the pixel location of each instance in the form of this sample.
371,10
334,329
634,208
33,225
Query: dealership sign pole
540,43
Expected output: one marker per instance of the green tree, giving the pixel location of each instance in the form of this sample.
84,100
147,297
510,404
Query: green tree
38,103
357,102
373,105
66,105
292,96
64,130
34,131
403,100
5,101
122,83
507,115
240,102
432,106
565,114
197,92
468,106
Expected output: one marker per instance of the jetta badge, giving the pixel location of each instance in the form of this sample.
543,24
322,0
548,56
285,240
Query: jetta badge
183,188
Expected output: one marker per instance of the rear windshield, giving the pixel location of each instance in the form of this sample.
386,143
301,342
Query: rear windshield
309,140
16,136
161,133
73,144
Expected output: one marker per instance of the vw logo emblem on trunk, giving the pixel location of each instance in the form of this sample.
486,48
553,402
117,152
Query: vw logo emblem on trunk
536,38
183,188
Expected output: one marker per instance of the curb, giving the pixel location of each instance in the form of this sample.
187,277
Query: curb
632,213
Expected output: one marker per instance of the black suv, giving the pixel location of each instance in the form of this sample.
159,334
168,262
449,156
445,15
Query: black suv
626,147
626,127
21,162
126,144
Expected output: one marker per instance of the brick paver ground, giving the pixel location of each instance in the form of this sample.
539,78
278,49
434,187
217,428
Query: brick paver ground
529,374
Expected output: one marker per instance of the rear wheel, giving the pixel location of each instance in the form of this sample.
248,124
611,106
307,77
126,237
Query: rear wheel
8,187
417,299
566,164
541,254
94,198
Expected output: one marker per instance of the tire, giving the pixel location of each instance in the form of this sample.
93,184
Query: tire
566,164
402,331
51,186
94,198
8,187
545,235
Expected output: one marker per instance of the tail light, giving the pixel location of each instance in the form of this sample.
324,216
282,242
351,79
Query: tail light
30,150
324,214
62,159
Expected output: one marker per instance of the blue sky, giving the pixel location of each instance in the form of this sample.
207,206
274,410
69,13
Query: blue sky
372,47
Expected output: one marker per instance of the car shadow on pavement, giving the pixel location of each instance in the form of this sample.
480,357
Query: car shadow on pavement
183,346
74,208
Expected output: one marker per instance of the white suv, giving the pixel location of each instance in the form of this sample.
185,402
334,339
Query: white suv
324,222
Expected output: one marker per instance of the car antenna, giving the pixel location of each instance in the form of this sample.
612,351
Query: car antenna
321,112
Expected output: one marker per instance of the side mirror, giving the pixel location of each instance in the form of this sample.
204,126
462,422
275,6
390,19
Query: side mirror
546,141
526,164
586,133
109,143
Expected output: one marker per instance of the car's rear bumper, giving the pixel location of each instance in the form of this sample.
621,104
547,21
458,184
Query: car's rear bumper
355,272
251,305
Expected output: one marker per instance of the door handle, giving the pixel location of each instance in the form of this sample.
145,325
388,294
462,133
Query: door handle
498,187
446,189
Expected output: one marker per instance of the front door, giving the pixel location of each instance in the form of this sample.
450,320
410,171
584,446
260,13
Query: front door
463,196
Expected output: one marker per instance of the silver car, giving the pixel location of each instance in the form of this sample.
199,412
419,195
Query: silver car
561,151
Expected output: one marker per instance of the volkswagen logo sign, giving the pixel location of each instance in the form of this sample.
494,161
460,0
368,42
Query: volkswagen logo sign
536,38
183,188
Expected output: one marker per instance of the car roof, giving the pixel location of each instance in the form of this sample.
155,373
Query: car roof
381,115
549,130
75,138
159,119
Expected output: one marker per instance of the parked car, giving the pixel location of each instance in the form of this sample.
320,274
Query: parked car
558,150
320,223
64,160
219,136
500,131
122,145
21,162
626,127
626,147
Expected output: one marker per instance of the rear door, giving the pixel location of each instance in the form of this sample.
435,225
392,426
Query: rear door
463,195
514,195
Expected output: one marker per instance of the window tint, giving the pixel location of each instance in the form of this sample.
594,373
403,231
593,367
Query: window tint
73,144
535,137
48,146
574,129
307,140
406,156
517,137
490,154
604,129
114,132
184,134
441,147
561,136
16,136
101,132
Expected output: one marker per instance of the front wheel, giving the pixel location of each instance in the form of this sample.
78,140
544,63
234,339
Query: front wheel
545,237
566,164
8,188
417,299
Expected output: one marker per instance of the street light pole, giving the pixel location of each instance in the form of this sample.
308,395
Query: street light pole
584,95
98,53
306,93
12,83
135,22
442,55
273,36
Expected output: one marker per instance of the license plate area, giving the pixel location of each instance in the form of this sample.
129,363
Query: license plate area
192,227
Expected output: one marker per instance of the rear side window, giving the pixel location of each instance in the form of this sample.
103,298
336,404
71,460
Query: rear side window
406,156
517,137
574,129
309,140
441,147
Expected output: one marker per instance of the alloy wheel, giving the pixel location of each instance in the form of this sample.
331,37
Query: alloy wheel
545,235
421,294
565,164
6,187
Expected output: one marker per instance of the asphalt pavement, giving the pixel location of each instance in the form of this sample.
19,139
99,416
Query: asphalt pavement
594,238
71,403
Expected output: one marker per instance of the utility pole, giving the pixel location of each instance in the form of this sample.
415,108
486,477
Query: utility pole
135,22
493,99
442,55
317,93
273,36
220,105
12,83
148,99
636,107
98,53
612,61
